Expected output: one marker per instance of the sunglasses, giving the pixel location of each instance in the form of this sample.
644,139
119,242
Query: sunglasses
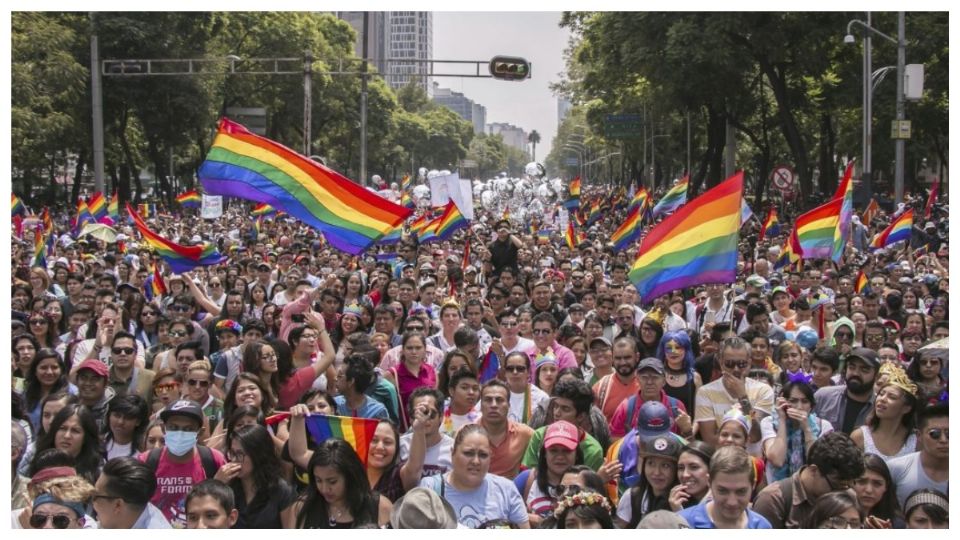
60,521
542,331
38,322
122,350
148,314
937,433
176,333
166,387
736,365
414,329
179,308
216,285
198,382
515,369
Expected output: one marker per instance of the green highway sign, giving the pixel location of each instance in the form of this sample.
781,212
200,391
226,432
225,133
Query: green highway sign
623,126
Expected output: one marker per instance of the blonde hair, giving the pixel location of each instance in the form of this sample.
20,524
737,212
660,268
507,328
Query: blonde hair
68,488
200,365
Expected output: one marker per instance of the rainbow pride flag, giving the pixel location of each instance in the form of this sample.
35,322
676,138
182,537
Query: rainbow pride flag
46,220
870,212
392,237
695,245
816,230
641,200
113,209
98,206
573,203
406,198
790,252
673,199
241,164
147,210
263,209
861,283
16,205
189,199
39,248
845,193
358,432
628,232
745,212
899,230
180,258
489,367
450,221
83,216
572,236
771,225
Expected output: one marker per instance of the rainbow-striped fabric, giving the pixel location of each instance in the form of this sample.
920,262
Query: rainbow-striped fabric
358,432
189,199
180,258
673,199
899,230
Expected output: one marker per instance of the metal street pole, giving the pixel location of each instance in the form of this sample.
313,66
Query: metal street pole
363,101
97,97
867,166
901,143
307,101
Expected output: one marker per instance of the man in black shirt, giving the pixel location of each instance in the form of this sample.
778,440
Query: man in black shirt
503,250
846,406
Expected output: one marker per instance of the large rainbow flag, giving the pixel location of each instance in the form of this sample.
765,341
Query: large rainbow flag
673,199
641,200
845,193
450,221
242,164
694,246
358,432
16,205
816,231
628,231
899,230
189,199
98,206
180,258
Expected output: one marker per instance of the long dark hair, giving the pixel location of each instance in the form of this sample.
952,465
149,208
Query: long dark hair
593,512
830,505
131,406
258,445
361,500
887,507
230,401
33,388
542,473
657,502
909,420
88,461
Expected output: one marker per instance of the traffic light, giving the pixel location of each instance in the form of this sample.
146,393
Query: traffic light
509,68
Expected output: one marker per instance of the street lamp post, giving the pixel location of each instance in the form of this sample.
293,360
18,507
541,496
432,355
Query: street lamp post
900,147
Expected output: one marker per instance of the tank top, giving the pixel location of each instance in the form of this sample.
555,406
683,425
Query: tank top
869,446
685,393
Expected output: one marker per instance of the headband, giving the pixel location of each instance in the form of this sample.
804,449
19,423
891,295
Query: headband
47,498
581,499
50,473
353,309
935,499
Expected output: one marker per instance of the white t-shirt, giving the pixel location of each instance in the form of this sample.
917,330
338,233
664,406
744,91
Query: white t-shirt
537,398
908,475
437,458
115,450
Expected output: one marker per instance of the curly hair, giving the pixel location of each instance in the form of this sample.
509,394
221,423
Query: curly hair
836,452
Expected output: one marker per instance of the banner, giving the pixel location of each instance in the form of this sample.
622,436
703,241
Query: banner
212,206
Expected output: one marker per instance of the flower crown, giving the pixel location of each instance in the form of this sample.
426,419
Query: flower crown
228,324
353,309
581,499
896,376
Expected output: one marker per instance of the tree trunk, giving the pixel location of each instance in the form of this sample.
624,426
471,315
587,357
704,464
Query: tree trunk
828,178
788,123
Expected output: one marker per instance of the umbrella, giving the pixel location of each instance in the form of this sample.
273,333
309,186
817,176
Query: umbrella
100,232
943,343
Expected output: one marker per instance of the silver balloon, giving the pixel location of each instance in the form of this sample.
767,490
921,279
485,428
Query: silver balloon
557,185
488,199
421,192
422,173
535,170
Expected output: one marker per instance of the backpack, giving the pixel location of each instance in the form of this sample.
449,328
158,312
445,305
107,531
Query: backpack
206,460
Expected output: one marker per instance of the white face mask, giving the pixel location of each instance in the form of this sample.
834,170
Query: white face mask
179,443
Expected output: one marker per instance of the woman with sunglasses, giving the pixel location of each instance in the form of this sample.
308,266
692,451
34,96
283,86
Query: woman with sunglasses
926,371
60,499
43,329
540,486
180,331
147,325
264,499
166,389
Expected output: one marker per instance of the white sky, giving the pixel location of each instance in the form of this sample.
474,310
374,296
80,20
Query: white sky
536,36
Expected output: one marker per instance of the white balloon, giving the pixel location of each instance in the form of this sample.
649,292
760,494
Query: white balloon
535,170
433,174
422,172
421,192
488,198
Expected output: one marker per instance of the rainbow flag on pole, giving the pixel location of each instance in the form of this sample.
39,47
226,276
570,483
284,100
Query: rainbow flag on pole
873,207
241,164
450,221
98,206
263,209
771,226
899,230
573,203
641,200
16,205
489,367
845,194
861,283
673,199
39,248
189,199
83,216
180,258
628,232
816,231
695,245
113,209
358,432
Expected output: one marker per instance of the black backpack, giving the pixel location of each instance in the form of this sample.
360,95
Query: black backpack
206,459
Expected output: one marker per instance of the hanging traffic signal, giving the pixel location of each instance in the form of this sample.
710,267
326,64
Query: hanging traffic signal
509,68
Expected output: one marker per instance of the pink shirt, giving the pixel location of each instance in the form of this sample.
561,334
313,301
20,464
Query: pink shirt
174,482
296,386
565,358
391,358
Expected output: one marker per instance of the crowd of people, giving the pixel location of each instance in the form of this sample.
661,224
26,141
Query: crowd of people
516,382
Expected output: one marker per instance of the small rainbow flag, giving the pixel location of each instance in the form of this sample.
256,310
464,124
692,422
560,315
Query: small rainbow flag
870,212
543,235
694,246
673,199
845,194
180,258
258,225
628,232
97,205
450,221
573,203
17,206
572,236
816,230
241,164
489,367
189,199
113,209
406,199
771,225
147,210
932,198
263,209
899,230
594,214
46,220
641,200
789,254
861,283
39,248
83,216
358,432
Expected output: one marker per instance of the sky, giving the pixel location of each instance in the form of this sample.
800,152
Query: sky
536,36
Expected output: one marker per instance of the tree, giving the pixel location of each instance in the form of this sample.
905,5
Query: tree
534,139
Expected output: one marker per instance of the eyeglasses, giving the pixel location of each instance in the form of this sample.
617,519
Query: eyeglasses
216,285
937,433
236,455
542,331
179,308
166,387
736,365
198,382
60,521
508,324
123,350
38,322
838,522
515,369
176,333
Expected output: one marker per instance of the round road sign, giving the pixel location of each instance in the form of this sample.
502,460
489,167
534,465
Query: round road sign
782,177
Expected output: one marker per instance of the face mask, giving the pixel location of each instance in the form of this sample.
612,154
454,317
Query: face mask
180,442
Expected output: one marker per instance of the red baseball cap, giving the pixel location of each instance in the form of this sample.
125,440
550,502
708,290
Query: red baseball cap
96,366
562,433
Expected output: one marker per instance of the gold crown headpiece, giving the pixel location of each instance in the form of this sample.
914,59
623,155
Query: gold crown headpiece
896,376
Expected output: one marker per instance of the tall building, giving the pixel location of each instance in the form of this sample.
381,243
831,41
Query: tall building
563,108
409,34
377,35
462,105
512,135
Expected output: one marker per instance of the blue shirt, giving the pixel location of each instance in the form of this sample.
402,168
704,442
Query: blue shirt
371,408
698,518
151,518
496,498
